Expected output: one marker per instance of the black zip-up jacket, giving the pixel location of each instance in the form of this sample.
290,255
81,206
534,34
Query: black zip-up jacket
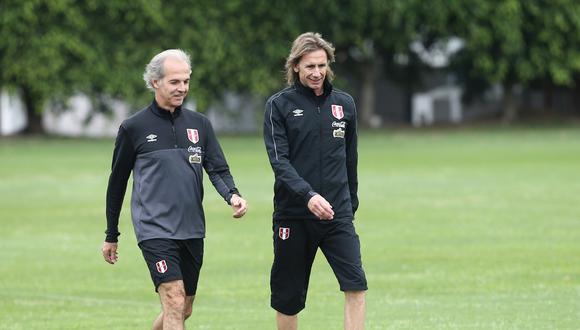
312,146
166,153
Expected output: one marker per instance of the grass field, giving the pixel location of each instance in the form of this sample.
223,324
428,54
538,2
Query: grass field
460,229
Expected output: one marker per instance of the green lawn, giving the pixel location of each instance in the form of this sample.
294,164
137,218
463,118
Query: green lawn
460,229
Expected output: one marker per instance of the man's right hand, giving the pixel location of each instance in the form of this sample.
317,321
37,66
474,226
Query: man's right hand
110,252
320,207
239,205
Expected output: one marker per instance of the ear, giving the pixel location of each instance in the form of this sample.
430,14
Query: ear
296,69
155,83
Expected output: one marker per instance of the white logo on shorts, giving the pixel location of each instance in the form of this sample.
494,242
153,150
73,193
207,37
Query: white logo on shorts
284,233
161,266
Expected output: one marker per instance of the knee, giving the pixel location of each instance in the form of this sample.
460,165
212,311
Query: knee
174,300
355,297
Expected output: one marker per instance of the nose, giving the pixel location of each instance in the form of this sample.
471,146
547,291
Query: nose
317,73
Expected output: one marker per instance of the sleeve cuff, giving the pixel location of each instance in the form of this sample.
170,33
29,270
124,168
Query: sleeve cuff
232,192
112,237
309,195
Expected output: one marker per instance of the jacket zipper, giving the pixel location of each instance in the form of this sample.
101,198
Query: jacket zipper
320,150
173,129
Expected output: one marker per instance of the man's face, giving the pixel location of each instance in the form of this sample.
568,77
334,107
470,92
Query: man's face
312,70
171,90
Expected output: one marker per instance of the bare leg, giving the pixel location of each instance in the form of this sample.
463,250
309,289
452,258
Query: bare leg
188,307
286,322
354,310
173,301
158,323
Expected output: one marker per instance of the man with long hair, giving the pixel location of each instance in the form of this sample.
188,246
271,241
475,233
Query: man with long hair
310,132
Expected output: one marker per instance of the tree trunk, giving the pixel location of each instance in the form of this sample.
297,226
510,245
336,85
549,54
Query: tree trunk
1,114
548,96
510,110
368,95
576,98
33,112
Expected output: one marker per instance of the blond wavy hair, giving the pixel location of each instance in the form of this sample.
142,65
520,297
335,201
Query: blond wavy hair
304,44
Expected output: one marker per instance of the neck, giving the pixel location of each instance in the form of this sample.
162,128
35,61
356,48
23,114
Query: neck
165,106
316,92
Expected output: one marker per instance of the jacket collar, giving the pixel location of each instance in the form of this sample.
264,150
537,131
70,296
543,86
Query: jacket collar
327,88
164,113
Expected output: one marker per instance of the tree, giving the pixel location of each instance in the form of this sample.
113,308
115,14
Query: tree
551,33
123,35
36,49
367,35
55,48
236,46
51,49
372,38
515,42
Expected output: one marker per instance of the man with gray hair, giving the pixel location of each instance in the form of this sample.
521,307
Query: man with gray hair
310,132
167,147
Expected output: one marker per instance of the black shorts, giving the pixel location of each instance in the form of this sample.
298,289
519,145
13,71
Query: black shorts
295,246
170,260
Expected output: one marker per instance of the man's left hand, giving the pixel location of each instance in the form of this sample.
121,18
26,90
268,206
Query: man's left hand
239,205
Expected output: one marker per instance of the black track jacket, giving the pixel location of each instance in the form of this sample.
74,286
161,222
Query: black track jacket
312,146
166,153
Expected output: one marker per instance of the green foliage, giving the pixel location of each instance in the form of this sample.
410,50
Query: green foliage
552,38
236,46
519,41
55,48
123,35
52,48
101,47
39,44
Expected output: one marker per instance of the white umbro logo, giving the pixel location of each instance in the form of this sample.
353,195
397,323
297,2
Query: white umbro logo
298,112
151,138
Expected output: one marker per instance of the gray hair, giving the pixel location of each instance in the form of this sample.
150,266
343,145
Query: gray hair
154,70
307,43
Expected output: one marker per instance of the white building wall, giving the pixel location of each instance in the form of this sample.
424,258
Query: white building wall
13,117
